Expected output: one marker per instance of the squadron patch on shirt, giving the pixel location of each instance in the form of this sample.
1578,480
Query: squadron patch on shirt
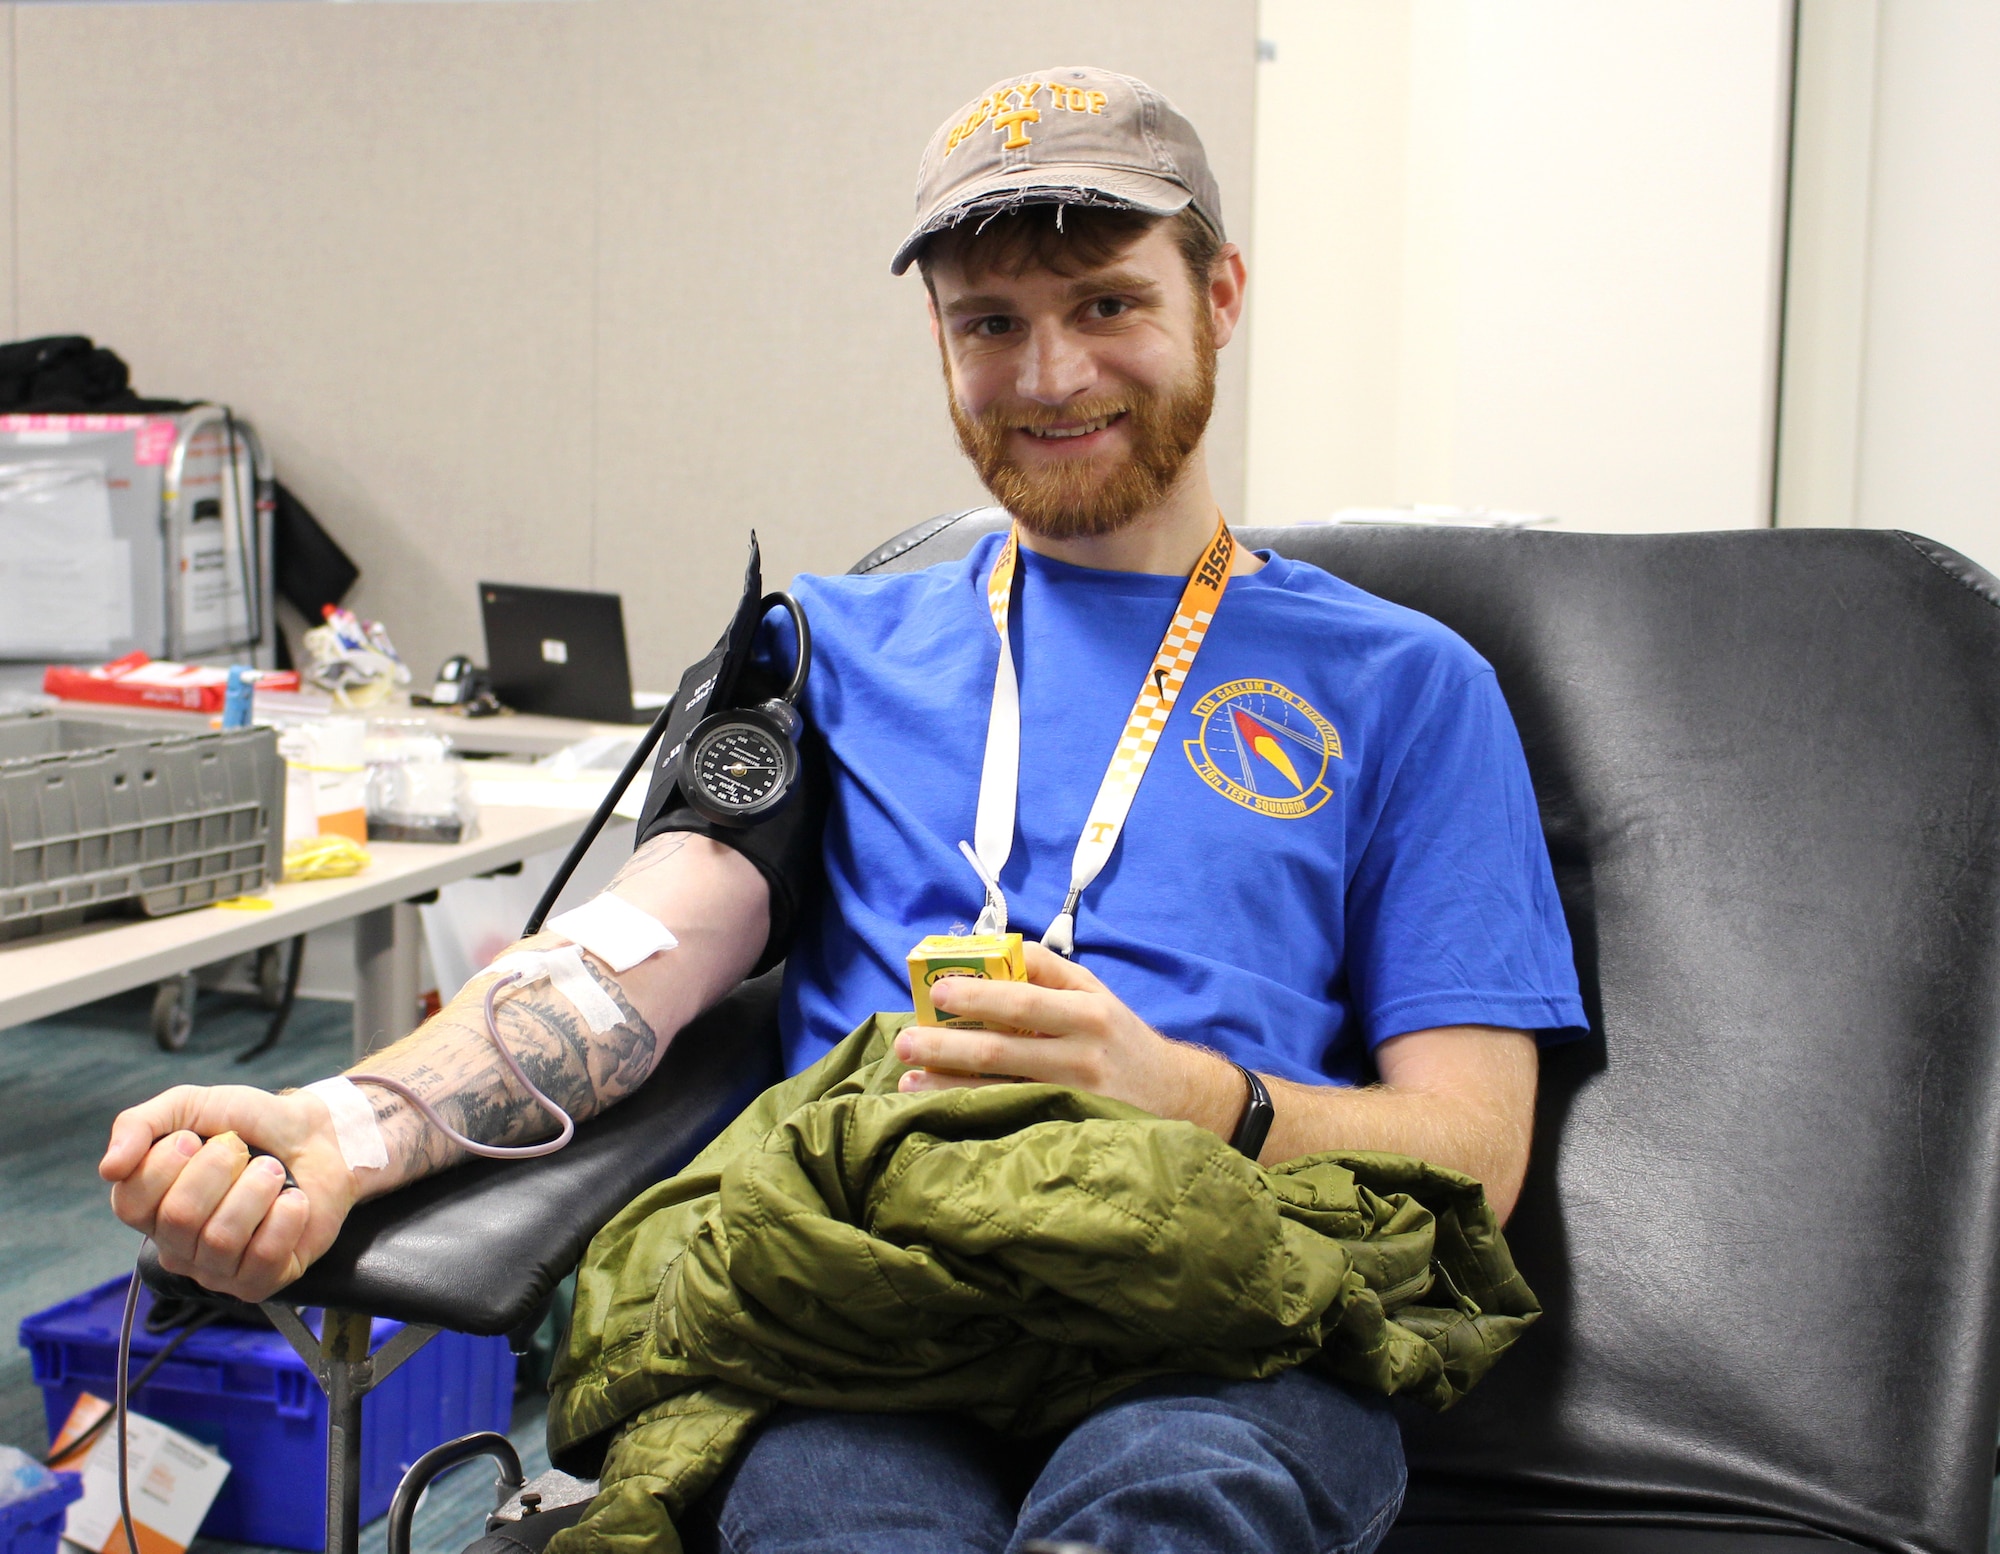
1263,747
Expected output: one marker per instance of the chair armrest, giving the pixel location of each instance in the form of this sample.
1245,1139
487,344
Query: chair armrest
479,1249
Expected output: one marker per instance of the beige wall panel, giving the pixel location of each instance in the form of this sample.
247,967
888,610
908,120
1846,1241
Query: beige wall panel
1929,458
8,320
1519,256
1333,121
758,363
370,228
1623,214
1826,262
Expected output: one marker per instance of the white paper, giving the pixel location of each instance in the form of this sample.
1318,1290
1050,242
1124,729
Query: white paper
214,607
54,500
65,579
73,602
601,754
174,1481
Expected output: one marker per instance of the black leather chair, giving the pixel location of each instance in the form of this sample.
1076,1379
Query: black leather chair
1764,1202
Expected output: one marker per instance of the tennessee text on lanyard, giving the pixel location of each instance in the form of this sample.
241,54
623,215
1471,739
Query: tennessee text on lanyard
999,777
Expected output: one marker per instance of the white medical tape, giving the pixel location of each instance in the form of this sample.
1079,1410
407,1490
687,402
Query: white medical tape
569,976
615,931
354,1125
526,965
573,980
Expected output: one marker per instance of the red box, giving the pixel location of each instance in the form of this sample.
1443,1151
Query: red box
137,681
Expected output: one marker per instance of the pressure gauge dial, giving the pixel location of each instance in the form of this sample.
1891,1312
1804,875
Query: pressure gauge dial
743,764
740,764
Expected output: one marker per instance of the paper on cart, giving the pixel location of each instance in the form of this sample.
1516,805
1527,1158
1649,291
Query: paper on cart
65,576
174,1482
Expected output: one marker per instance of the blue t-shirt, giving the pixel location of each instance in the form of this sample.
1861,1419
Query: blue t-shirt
1336,841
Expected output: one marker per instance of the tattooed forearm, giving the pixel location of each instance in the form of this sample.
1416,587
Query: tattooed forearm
718,908
650,855
453,1066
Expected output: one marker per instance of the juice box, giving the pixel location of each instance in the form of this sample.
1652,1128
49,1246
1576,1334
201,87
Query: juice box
995,956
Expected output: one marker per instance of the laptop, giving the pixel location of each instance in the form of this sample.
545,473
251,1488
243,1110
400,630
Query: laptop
561,652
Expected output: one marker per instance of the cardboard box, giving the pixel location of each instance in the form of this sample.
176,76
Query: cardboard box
138,681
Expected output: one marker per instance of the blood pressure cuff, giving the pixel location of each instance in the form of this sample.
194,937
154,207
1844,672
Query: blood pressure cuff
785,848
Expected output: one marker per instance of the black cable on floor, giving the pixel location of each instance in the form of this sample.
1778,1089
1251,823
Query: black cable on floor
284,1010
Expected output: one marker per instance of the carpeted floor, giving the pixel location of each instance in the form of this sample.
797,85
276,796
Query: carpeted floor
62,1081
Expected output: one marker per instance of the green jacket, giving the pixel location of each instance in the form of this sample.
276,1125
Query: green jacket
1019,1253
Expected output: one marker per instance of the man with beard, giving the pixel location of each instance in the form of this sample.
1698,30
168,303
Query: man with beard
1295,892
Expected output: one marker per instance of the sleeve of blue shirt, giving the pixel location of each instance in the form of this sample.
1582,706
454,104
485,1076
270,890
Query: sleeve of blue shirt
1452,912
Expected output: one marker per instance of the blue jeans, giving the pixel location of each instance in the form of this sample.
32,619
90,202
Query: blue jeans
1181,1465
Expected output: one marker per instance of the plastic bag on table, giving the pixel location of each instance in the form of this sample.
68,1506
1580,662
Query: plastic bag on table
21,1477
353,659
418,790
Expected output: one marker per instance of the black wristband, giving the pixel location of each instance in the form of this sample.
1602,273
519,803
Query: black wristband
1257,1115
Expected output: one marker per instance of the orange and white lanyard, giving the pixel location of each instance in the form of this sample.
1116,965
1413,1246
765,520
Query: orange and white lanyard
999,778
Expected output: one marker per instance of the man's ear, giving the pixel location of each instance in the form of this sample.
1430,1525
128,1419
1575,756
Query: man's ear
1227,279
931,313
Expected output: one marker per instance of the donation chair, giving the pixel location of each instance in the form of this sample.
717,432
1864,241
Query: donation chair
1763,1207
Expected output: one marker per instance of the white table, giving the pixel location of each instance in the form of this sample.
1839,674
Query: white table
509,734
45,975
513,733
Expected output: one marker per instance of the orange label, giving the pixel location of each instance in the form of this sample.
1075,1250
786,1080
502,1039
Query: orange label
350,823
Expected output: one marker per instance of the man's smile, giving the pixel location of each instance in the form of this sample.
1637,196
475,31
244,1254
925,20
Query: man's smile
1074,438
1080,429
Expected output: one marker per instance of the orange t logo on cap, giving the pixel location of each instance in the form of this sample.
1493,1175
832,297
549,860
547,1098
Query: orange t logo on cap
1011,121
992,109
1015,120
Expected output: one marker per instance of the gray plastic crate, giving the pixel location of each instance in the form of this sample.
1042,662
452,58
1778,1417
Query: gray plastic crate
94,812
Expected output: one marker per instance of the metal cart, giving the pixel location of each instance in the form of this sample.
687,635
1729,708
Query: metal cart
148,532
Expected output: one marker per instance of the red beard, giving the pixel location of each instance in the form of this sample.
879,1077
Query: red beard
1081,498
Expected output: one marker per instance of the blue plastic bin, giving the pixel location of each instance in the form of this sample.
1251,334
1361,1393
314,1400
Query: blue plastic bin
245,1393
34,1525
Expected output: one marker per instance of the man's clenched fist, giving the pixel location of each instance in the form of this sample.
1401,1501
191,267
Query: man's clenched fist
181,1171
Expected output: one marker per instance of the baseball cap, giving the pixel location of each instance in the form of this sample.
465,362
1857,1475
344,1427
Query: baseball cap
1073,135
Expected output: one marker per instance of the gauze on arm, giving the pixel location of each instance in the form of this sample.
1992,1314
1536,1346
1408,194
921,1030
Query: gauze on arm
615,931
569,976
354,1125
